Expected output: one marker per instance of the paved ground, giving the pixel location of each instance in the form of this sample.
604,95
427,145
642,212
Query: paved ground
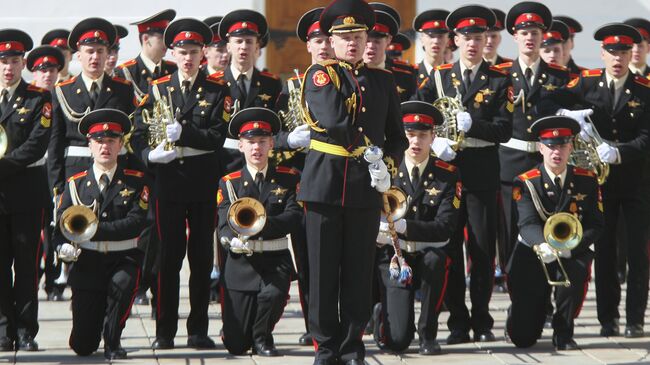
138,335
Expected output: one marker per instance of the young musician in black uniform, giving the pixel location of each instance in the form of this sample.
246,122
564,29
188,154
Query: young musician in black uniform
433,188
638,64
493,40
106,273
59,38
25,118
569,44
114,51
551,187
434,35
552,49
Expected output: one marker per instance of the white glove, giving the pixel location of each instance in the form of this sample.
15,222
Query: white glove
159,155
299,137
578,115
565,254
236,243
607,153
400,226
442,147
463,121
174,131
379,177
586,131
546,252
69,253
384,238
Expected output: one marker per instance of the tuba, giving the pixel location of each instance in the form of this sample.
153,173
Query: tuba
585,155
449,107
292,118
246,217
4,141
562,231
78,223
161,115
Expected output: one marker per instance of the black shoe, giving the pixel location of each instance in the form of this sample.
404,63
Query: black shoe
306,340
370,326
634,331
56,294
355,362
621,277
429,348
378,325
485,336
26,343
200,342
610,330
265,349
564,344
162,344
118,354
6,344
456,337
141,298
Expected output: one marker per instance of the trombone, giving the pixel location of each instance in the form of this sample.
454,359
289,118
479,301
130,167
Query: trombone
246,217
562,231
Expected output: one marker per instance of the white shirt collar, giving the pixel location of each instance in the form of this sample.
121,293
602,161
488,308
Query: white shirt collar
88,81
10,90
98,171
473,68
149,64
236,72
492,60
534,67
637,70
252,170
618,83
427,66
209,70
552,176
191,79
411,164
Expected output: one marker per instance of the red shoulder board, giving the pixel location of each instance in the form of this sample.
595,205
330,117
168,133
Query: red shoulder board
161,80
286,170
232,175
445,166
530,174
592,73
424,82
557,67
135,173
217,74
128,63
402,70
171,63
446,66
574,81
501,66
268,74
642,81
31,87
216,78
496,69
66,82
76,176
583,172
121,80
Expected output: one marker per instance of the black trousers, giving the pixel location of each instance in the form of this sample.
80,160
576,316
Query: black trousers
608,288
478,211
529,292
19,244
250,316
430,269
101,302
341,249
299,244
174,243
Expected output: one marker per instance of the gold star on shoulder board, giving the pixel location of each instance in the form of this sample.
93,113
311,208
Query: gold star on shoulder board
487,92
433,191
278,191
633,104
580,197
126,192
549,87
204,103
23,110
400,90
265,97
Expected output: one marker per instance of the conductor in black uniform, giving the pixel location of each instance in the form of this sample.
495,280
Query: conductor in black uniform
350,106
106,273
187,177
551,187
485,122
259,269
433,188
25,117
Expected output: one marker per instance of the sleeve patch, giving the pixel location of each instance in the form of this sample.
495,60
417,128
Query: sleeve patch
573,82
219,196
47,110
516,193
320,78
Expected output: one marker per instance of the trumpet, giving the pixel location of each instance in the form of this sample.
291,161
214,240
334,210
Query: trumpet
78,223
450,107
4,141
585,155
161,115
246,217
562,231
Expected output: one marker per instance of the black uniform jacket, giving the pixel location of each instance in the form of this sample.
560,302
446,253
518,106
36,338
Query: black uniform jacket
491,110
203,118
350,106
26,120
263,91
580,196
247,273
405,78
135,71
115,93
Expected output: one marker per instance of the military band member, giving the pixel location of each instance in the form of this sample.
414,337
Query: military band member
493,40
433,187
216,53
640,50
114,51
105,277
396,62
434,35
256,285
619,102
569,44
486,122
398,45
533,80
45,62
350,106
551,187
552,49
201,106
244,31
149,64
25,115
59,38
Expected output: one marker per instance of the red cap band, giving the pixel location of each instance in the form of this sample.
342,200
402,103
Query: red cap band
572,30
498,24
103,127
248,126
644,33
553,35
395,47
215,38
471,22
59,42
92,34
243,25
12,46
188,36
555,133
314,28
417,118
433,24
618,39
529,18
381,28
46,59
144,27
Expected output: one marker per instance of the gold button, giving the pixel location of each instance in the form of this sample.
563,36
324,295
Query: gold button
356,72
614,131
360,129
363,109
530,105
104,215
529,117
184,122
363,88
181,162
